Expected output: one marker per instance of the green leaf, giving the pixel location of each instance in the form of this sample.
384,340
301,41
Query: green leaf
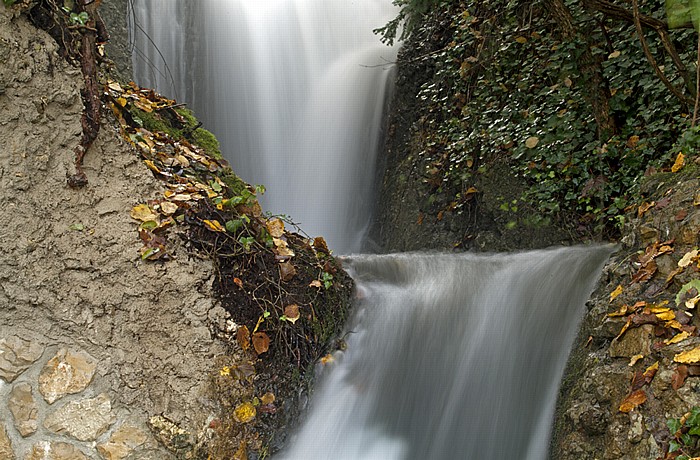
77,227
673,425
149,225
682,12
673,446
246,241
232,226
687,287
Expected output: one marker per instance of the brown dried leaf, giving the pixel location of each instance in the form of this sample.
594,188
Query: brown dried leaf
275,227
143,213
633,400
679,376
292,313
243,337
287,271
645,272
644,207
261,342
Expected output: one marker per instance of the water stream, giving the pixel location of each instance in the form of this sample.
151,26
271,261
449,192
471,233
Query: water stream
295,91
449,356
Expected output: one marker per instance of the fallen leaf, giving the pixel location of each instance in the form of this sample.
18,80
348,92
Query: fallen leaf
634,360
267,398
244,412
644,207
275,227
678,338
328,359
613,55
679,376
315,283
689,291
532,141
680,215
622,311
243,337
679,163
521,40
292,313
645,273
666,315
688,258
688,357
633,400
168,208
241,453
287,271
214,225
320,245
616,292
143,213
238,282
261,342
651,371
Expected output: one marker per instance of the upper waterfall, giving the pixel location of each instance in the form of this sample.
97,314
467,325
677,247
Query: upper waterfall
293,89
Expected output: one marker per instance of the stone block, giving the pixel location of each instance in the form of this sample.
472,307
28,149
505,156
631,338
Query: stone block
6,452
122,443
66,373
16,355
84,420
24,409
46,450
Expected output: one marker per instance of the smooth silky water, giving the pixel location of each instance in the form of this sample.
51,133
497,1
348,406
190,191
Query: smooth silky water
449,356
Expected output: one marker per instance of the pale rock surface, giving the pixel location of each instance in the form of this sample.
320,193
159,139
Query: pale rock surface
46,450
24,409
6,452
84,420
66,373
123,442
16,355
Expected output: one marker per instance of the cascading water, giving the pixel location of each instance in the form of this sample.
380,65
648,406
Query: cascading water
293,89
449,356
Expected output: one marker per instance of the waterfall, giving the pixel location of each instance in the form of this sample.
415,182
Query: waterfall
451,357
294,90
448,356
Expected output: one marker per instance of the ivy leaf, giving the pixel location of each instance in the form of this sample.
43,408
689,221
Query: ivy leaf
681,12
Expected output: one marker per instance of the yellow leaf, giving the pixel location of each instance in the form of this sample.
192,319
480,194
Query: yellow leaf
652,369
114,86
214,225
616,292
678,338
634,360
275,227
532,141
688,357
687,259
225,371
267,398
328,359
143,213
666,316
679,163
152,166
521,39
121,101
168,208
633,400
244,412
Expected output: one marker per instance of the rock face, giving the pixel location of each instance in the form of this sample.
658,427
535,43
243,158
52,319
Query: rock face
66,373
46,450
84,420
16,355
71,277
122,442
24,409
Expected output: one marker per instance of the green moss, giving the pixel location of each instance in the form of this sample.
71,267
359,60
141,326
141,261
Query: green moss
206,140
153,122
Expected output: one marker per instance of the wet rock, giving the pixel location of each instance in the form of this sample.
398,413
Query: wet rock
122,443
635,341
16,355
6,451
84,420
46,450
636,431
66,373
24,409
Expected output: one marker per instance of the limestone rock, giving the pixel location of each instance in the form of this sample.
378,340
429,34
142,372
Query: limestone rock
122,443
84,420
24,409
16,355
635,341
5,445
66,373
46,450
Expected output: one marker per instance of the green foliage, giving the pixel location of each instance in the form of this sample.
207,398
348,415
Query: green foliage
409,17
685,433
9,2
327,280
681,12
507,85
